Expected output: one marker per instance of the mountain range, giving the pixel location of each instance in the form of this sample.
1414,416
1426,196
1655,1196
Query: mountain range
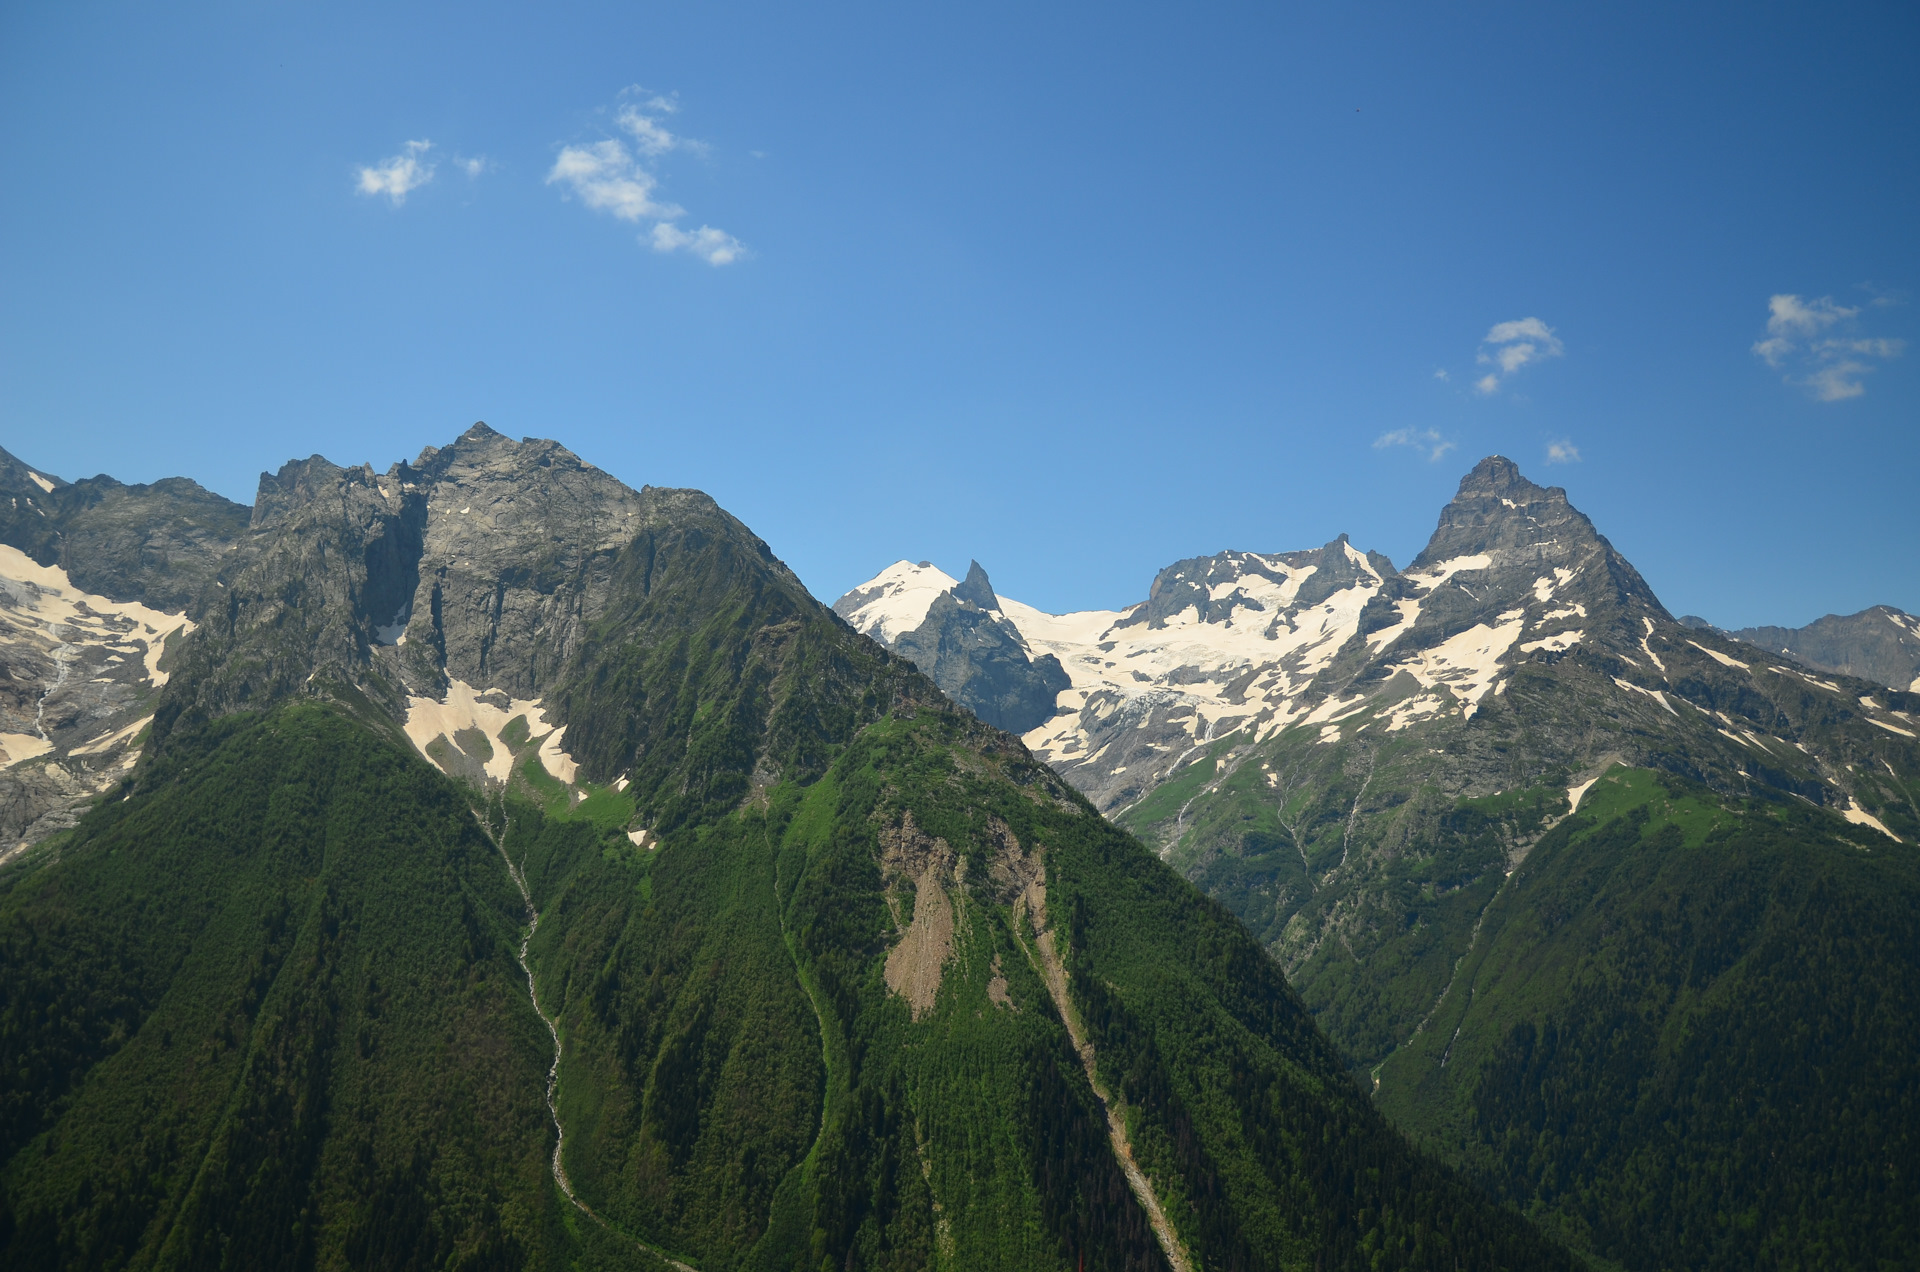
1880,643
1613,910
483,864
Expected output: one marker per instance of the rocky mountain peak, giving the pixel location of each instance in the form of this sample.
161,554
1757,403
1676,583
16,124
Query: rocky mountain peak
976,590
1497,511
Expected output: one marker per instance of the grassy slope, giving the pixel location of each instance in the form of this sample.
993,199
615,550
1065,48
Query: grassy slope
266,1014
1684,1035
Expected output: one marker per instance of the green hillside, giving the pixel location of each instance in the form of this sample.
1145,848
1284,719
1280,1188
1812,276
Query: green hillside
1684,1035
266,1014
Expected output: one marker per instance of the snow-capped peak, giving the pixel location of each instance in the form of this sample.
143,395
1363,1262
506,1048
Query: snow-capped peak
894,601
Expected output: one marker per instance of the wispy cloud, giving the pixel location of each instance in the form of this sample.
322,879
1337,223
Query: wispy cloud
619,177
472,165
1427,441
399,174
639,115
1814,341
1508,346
715,247
1562,452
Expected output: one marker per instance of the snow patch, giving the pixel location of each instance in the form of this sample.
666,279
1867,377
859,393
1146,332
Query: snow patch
467,708
1544,587
1405,712
1719,657
1468,663
69,615
1429,580
17,748
1559,640
40,481
1861,817
1648,649
101,745
1574,794
1187,662
1890,728
1655,694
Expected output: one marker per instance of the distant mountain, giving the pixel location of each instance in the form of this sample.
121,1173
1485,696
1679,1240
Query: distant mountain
958,635
518,870
1535,853
1880,644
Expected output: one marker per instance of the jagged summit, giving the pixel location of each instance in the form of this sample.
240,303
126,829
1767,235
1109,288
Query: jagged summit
976,590
958,634
1498,511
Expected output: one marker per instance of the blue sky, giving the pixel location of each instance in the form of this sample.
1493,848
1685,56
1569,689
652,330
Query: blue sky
1076,290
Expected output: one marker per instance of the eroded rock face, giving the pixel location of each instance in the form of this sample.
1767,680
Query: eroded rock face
909,857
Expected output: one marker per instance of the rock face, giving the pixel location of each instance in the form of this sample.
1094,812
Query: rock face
963,642
482,562
1881,643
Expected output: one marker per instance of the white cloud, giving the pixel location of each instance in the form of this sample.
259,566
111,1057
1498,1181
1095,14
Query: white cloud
609,177
1562,452
1828,366
1440,373
473,166
715,247
399,174
1426,440
1512,345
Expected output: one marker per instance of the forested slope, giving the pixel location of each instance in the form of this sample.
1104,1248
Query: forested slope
266,1014
1684,1035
